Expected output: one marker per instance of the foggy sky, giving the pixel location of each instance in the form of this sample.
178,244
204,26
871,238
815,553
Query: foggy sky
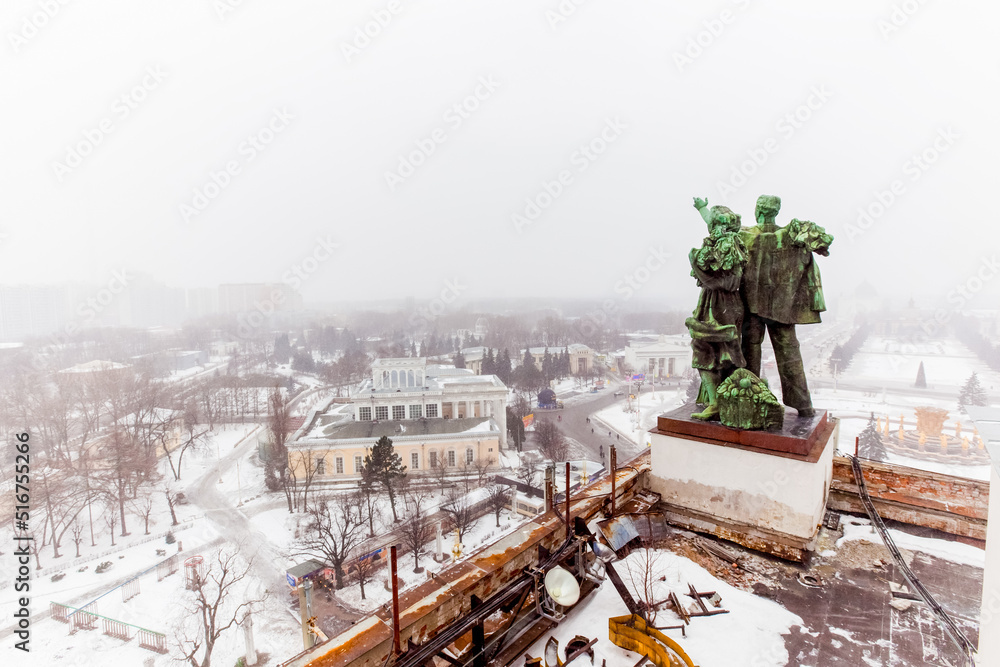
201,76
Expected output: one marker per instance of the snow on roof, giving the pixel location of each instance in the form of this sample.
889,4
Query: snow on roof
94,366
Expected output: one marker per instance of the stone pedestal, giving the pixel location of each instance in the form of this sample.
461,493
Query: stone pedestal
766,490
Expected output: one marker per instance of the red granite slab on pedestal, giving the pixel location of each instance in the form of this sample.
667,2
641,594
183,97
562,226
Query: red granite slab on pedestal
799,436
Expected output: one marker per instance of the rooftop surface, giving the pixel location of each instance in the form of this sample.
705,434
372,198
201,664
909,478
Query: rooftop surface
847,620
348,430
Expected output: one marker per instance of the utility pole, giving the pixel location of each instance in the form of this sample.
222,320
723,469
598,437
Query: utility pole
305,612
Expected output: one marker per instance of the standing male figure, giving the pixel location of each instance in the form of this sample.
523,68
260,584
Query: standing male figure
781,287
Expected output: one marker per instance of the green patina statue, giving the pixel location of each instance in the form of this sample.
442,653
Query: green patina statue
746,402
753,279
715,324
781,288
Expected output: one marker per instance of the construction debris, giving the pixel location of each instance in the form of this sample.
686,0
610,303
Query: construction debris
578,645
899,604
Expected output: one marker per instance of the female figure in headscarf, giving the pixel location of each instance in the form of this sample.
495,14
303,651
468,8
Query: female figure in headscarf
715,324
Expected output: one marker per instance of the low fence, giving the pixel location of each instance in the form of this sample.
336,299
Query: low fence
86,618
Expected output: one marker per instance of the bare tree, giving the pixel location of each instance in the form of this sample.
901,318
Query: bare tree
334,531
482,466
307,472
76,531
497,498
467,474
279,423
365,566
171,495
459,511
126,466
526,473
643,570
193,438
416,528
216,608
440,473
61,498
143,506
369,493
416,532
551,440
111,521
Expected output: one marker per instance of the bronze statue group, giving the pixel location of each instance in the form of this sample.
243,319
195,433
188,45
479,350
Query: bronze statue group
754,279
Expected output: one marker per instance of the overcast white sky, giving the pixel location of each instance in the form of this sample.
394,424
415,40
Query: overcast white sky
681,130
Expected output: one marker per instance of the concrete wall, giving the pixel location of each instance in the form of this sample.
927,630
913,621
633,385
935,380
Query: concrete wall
989,618
740,485
951,504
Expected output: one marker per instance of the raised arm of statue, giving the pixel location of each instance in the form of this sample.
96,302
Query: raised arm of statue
702,206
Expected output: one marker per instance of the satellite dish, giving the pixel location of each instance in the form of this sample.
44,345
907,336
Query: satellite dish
562,586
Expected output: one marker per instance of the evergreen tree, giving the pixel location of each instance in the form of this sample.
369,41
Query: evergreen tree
515,428
413,348
548,372
384,466
564,364
303,362
921,382
459,360
489,365
694,385
870,445
528,377
504,371
282,349
972,393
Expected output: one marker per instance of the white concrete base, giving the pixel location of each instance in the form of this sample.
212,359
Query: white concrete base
763,492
